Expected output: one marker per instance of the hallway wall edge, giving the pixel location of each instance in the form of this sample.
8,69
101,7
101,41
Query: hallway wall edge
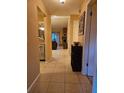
33,83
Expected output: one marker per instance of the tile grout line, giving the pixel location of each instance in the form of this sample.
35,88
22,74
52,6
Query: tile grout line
61,56
64,80
48,84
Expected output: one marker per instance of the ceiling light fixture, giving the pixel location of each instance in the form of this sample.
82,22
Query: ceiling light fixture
62,1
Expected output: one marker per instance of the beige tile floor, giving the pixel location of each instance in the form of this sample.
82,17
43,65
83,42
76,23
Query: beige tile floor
57,76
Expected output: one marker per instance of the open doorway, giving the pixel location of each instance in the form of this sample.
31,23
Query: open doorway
55,40
59,32
41,34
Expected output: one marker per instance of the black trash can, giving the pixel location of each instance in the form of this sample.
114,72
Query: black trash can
76,57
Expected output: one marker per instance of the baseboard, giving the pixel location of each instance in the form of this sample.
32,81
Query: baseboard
33,83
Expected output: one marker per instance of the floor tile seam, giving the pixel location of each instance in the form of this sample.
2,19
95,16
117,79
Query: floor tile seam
72,82
57,82
48,87
77,84
79,79
64,83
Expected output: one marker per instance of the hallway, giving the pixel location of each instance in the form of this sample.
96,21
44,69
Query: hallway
75,25
57,76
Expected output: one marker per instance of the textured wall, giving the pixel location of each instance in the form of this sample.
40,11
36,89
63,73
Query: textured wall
71,29
75,30
48,41
33,64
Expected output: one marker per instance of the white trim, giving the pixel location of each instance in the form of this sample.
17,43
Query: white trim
33,83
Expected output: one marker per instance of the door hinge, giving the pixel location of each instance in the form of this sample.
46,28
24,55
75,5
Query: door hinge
87,64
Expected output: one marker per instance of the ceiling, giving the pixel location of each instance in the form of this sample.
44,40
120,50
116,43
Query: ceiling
59,22
61,12
69,8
